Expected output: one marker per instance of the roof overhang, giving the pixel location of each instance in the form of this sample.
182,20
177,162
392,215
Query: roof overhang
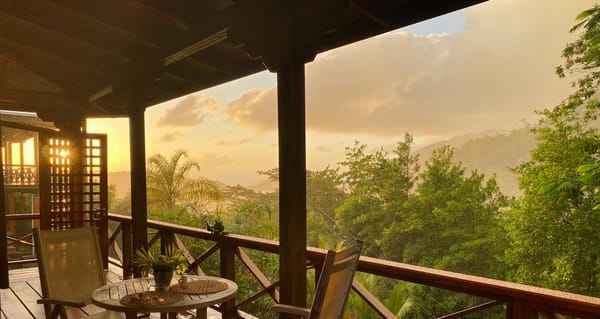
64,59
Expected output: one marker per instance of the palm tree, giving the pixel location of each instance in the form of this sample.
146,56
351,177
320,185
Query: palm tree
170,186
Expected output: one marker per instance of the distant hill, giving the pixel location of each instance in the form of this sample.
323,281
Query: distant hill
492,152
266,186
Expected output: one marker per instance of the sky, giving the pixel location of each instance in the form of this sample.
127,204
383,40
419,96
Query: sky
487,67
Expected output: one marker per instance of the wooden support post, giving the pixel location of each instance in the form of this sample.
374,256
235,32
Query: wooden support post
292,184
137,146
292,159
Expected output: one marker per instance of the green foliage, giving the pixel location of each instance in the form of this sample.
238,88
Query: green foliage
556,209
324,196
151,261
590,179
452,222
560,184
378,185
253,218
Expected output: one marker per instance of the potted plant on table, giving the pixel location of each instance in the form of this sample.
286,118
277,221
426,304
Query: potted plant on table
161,266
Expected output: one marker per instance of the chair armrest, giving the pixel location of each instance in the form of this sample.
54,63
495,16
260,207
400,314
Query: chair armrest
62,302
294,310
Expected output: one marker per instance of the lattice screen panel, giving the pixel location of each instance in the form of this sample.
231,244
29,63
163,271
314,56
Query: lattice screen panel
76,188
61,179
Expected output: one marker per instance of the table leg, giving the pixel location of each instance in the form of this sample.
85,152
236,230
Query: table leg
201,313
131,315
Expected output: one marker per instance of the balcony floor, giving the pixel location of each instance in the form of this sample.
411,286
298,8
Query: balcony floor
20,301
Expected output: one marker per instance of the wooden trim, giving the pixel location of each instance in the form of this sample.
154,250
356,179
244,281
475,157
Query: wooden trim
3,233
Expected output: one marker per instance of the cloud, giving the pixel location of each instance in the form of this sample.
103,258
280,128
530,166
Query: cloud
212,160
233,142
494,74
255,109
170,137
190,111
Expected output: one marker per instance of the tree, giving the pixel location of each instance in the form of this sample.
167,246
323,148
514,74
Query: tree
324,196
378,185
559,182
169,184
453,221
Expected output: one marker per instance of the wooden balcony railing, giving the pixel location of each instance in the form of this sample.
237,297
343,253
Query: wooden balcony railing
20,175
518,301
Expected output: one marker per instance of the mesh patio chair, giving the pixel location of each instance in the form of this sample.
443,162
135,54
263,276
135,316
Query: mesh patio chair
333,288
70,267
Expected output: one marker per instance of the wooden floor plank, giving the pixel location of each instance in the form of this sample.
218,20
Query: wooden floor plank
12,307
29,297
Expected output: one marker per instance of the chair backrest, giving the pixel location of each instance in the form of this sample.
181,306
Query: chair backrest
335,283
70,263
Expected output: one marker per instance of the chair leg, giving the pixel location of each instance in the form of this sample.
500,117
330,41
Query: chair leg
56,312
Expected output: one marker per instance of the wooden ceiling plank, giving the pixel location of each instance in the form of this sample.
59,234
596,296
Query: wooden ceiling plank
26,33
146,69
65,76
45,60
68,52
135,18
51,16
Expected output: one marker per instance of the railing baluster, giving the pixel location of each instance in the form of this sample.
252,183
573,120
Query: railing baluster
127,250
262,279
190,259
227,259
368,297
519,309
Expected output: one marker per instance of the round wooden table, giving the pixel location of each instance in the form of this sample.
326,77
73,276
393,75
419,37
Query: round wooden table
109,297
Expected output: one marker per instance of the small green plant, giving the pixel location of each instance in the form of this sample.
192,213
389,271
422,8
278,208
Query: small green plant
152,261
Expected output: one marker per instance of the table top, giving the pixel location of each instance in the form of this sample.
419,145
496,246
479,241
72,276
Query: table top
109,296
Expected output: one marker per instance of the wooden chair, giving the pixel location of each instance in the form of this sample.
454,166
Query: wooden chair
70,267
333,288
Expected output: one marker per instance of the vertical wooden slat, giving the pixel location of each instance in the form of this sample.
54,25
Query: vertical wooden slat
104,196
75,167
3,242
44,180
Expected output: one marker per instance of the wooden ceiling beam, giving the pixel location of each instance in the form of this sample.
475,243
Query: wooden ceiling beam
135,18
268,38
33,97
66,74
188,12
56,18
57,44
149,68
